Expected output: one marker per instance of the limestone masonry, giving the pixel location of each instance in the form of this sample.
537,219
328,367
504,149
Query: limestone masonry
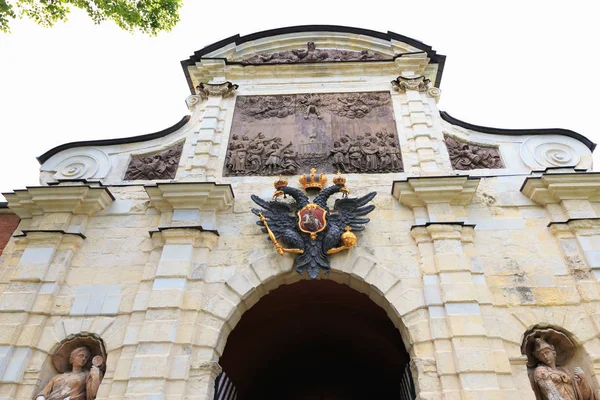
483,244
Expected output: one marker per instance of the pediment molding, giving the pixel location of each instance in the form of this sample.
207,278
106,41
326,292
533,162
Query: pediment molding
397,53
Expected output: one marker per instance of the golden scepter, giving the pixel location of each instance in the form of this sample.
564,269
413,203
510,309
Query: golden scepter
278,247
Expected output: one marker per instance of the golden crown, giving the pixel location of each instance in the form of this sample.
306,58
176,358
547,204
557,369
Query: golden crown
339,179
313,182
281,182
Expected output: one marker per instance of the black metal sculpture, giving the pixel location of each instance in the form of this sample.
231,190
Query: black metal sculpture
311,229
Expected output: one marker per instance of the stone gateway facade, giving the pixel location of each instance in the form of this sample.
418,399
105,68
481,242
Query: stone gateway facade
144,267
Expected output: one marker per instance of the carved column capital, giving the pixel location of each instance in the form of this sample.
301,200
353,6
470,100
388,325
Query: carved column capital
556,187
583,226
225,89
185,235
443,231
39,200
420,192
190,195
404,83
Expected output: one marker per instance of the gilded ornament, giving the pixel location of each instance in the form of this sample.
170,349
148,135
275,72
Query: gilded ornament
309,228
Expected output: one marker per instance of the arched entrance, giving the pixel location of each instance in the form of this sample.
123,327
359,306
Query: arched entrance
316,340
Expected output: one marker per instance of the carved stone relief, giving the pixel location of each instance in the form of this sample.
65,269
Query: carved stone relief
467,156
77,163
161,165
286,134
225,89
403,83
312,54
81,363
541,152
548,352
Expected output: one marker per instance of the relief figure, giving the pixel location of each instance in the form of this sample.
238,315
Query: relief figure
275,153
346,132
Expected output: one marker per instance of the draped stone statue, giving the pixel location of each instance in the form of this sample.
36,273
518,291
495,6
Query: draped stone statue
547,351
82,379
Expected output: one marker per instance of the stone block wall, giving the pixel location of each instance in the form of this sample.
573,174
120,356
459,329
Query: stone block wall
463,262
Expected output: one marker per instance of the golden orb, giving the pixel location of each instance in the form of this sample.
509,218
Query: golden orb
348,238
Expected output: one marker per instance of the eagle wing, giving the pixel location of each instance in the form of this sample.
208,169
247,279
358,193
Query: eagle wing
281,219
347,212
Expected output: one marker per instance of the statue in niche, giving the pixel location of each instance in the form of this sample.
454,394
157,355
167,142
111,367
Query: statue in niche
81,361
547,350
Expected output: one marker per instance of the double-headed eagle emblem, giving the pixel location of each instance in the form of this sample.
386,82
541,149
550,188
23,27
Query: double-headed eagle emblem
311,229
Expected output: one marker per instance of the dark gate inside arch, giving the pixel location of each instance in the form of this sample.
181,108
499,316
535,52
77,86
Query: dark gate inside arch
315,340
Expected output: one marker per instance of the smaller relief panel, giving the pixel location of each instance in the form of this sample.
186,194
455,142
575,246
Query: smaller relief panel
290,134
312,54
467,156
161,165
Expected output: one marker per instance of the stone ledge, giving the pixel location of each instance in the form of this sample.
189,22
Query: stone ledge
419,192
190,195
554,188
161,229
39,200
32,232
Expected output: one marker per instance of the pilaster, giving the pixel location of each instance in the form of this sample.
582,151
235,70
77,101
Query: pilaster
162,341
206,141
55,218
575,223
468,355
565,195
432,198
423,139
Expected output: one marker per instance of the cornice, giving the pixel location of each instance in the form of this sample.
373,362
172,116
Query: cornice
190,195
554,188
39,200
108,142
204,54
419,192
518,132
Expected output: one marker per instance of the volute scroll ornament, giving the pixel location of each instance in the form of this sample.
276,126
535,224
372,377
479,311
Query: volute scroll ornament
81,362
548,351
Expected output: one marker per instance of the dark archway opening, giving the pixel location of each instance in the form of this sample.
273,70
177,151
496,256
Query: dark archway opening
316,340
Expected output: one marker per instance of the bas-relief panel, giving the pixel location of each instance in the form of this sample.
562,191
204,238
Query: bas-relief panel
289,134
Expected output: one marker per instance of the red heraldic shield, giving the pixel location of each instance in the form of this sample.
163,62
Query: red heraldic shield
311,219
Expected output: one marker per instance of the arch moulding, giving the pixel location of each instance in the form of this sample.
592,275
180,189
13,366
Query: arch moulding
401,299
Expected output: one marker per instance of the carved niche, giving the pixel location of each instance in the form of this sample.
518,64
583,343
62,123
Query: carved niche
161,165
81,363
551,368
467,156
312,54
285,134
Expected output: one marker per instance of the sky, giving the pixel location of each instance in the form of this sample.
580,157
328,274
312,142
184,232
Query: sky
510,64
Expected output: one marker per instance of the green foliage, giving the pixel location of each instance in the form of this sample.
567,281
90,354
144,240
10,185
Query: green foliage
147,16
